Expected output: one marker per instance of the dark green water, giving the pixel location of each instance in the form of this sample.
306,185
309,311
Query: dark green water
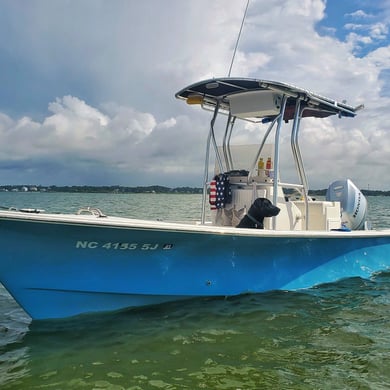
335,336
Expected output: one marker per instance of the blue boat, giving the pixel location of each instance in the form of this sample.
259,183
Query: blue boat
257,233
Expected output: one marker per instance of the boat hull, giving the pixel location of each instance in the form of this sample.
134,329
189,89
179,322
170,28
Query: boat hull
59,267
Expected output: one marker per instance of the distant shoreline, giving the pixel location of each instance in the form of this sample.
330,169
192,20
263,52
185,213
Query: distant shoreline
142,190
102,189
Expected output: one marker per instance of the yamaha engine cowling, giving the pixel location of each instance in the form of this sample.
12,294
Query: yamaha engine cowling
352,201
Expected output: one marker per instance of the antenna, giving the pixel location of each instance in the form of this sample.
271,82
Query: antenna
238,38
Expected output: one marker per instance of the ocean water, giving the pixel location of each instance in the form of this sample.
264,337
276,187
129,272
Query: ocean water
334,336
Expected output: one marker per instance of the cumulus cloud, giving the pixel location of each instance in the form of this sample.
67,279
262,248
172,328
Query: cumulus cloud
115,140
115,119
359,14
367,29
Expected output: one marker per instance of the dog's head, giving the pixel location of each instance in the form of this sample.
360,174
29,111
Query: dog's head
262,207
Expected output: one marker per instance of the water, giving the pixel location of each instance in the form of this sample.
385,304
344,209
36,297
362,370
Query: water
336,336
147,206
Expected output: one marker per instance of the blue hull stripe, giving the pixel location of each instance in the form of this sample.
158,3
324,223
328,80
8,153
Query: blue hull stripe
59,270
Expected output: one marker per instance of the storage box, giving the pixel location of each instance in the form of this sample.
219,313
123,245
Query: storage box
255,104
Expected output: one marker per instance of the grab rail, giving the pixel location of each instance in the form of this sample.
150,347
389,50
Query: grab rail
91,210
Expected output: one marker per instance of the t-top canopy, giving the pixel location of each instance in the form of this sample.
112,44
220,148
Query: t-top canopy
239,96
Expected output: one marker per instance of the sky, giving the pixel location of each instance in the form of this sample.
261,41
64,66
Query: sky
87,87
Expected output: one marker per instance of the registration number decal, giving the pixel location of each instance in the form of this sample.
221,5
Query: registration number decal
123,246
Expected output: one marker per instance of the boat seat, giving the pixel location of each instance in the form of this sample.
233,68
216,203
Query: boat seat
289,217
233,212
323,215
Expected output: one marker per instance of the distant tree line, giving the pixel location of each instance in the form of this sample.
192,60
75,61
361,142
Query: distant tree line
105,189
364,192
127,190
150,189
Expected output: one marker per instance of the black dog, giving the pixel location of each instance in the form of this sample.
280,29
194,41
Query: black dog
260,209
